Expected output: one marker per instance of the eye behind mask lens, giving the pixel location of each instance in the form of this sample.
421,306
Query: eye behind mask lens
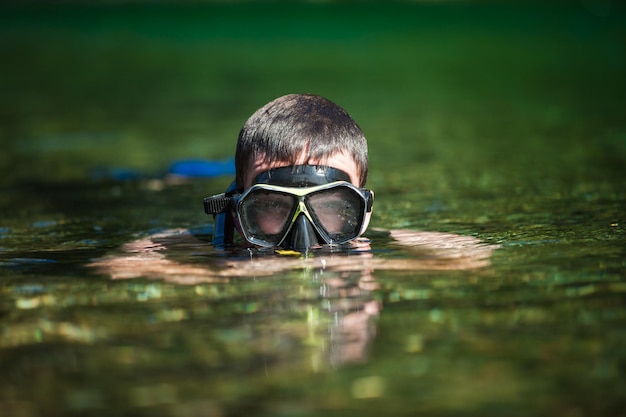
339,211
266,215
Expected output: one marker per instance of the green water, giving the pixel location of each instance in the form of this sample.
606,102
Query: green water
502,123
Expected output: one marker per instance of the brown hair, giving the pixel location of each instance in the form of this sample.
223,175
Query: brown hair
288,126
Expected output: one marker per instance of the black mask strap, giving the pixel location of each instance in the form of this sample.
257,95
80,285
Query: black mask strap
301,176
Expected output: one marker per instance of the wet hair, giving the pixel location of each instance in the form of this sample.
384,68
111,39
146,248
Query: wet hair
290,125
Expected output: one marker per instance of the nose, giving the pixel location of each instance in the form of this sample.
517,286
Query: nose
302,235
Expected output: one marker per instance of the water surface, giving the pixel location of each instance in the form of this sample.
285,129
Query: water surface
499,124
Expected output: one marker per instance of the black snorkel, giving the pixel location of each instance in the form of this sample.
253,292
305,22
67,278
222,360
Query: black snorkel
224,226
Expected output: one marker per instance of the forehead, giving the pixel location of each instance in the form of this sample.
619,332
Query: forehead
339,161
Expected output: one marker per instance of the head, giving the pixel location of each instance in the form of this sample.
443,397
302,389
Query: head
300,129
297,144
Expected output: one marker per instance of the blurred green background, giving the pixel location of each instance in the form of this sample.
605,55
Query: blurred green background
503,120
480,106
464,84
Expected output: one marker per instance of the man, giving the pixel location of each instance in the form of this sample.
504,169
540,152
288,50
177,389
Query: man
300,164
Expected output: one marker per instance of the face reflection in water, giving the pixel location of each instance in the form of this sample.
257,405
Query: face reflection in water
343,281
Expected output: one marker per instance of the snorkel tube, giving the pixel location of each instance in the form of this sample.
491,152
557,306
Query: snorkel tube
224,227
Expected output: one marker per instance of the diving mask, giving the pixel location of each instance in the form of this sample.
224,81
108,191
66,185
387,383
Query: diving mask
297,207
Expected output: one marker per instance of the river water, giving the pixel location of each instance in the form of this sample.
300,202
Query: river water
494,282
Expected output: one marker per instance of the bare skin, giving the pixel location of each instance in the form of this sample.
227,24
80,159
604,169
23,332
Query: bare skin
426,251
145,257
434,252
339,161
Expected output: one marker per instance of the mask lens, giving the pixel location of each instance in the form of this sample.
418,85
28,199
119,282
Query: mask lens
266,215
339,211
